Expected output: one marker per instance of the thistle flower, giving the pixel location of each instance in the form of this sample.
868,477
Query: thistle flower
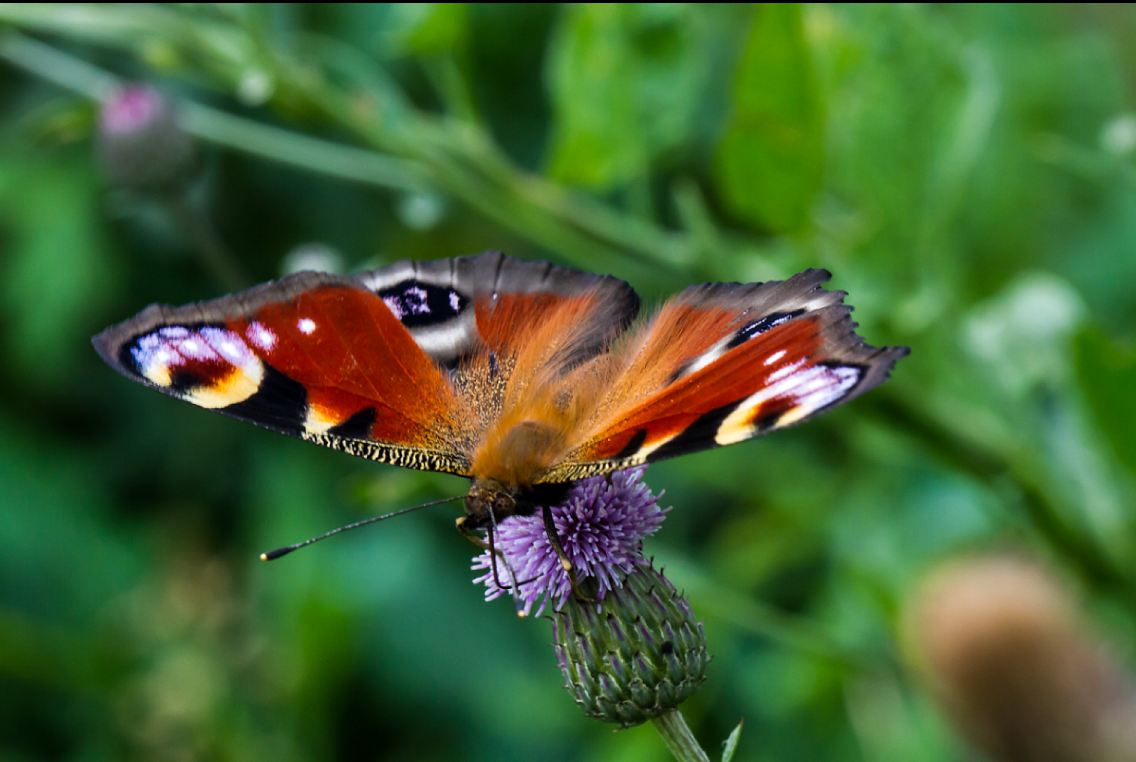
141,145
635,651
601,526
636,656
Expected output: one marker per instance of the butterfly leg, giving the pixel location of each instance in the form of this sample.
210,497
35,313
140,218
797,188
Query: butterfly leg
462,526
578,590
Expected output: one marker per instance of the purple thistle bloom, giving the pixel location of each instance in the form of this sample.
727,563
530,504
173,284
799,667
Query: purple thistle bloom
131,109
141,144
601,526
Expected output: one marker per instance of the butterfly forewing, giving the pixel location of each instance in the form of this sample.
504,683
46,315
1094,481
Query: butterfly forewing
312,356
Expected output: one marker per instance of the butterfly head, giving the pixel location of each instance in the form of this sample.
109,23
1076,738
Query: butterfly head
488,501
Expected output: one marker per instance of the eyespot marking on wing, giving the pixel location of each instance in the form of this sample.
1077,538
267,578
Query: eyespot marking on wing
750,330
209,365
418,304
794,395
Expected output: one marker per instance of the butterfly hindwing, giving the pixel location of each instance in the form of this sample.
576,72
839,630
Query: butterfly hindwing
456,308
722,363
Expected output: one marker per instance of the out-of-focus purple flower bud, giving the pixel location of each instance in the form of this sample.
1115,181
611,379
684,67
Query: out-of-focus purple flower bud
141,146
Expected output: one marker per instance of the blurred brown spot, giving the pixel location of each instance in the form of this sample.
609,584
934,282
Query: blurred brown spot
1016,666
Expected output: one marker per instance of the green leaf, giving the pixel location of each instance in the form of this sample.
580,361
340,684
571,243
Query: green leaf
625,83
730,746
426,28
771,156
56,272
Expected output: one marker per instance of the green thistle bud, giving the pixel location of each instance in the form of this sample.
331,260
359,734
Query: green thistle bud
636,655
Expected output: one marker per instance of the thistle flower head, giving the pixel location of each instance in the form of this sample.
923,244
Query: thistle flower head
636,656
132,108
601,526
141,145
636,651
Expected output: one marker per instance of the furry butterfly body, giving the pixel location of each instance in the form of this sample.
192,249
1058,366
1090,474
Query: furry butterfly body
522,376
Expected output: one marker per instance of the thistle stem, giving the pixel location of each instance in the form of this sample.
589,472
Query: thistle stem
678,738
214,255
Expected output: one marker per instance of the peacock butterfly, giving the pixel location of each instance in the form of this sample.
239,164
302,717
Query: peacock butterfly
518,375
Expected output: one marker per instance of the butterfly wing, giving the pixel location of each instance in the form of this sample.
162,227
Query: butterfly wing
394,365
459,308
724,362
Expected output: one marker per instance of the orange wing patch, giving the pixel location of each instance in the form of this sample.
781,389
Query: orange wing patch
737,379
711,371
546,396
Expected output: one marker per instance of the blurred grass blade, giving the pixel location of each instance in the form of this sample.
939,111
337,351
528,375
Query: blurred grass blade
730,746
1107,373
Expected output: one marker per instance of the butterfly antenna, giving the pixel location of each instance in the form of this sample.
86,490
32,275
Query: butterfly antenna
272,555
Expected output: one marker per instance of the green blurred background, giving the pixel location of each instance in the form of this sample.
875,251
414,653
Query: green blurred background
966,172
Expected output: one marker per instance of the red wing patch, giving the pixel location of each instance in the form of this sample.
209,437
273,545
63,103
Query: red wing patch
330,363
350,352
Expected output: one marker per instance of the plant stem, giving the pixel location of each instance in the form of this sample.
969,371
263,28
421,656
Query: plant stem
214,126
678,738
581,230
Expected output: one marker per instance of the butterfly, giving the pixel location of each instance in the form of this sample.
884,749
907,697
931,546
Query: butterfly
522,376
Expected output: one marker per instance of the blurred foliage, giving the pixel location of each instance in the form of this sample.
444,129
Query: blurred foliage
965,171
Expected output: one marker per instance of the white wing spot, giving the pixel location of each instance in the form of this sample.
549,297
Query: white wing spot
164,357
395,305
260,335
307,326
788,370
775,357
